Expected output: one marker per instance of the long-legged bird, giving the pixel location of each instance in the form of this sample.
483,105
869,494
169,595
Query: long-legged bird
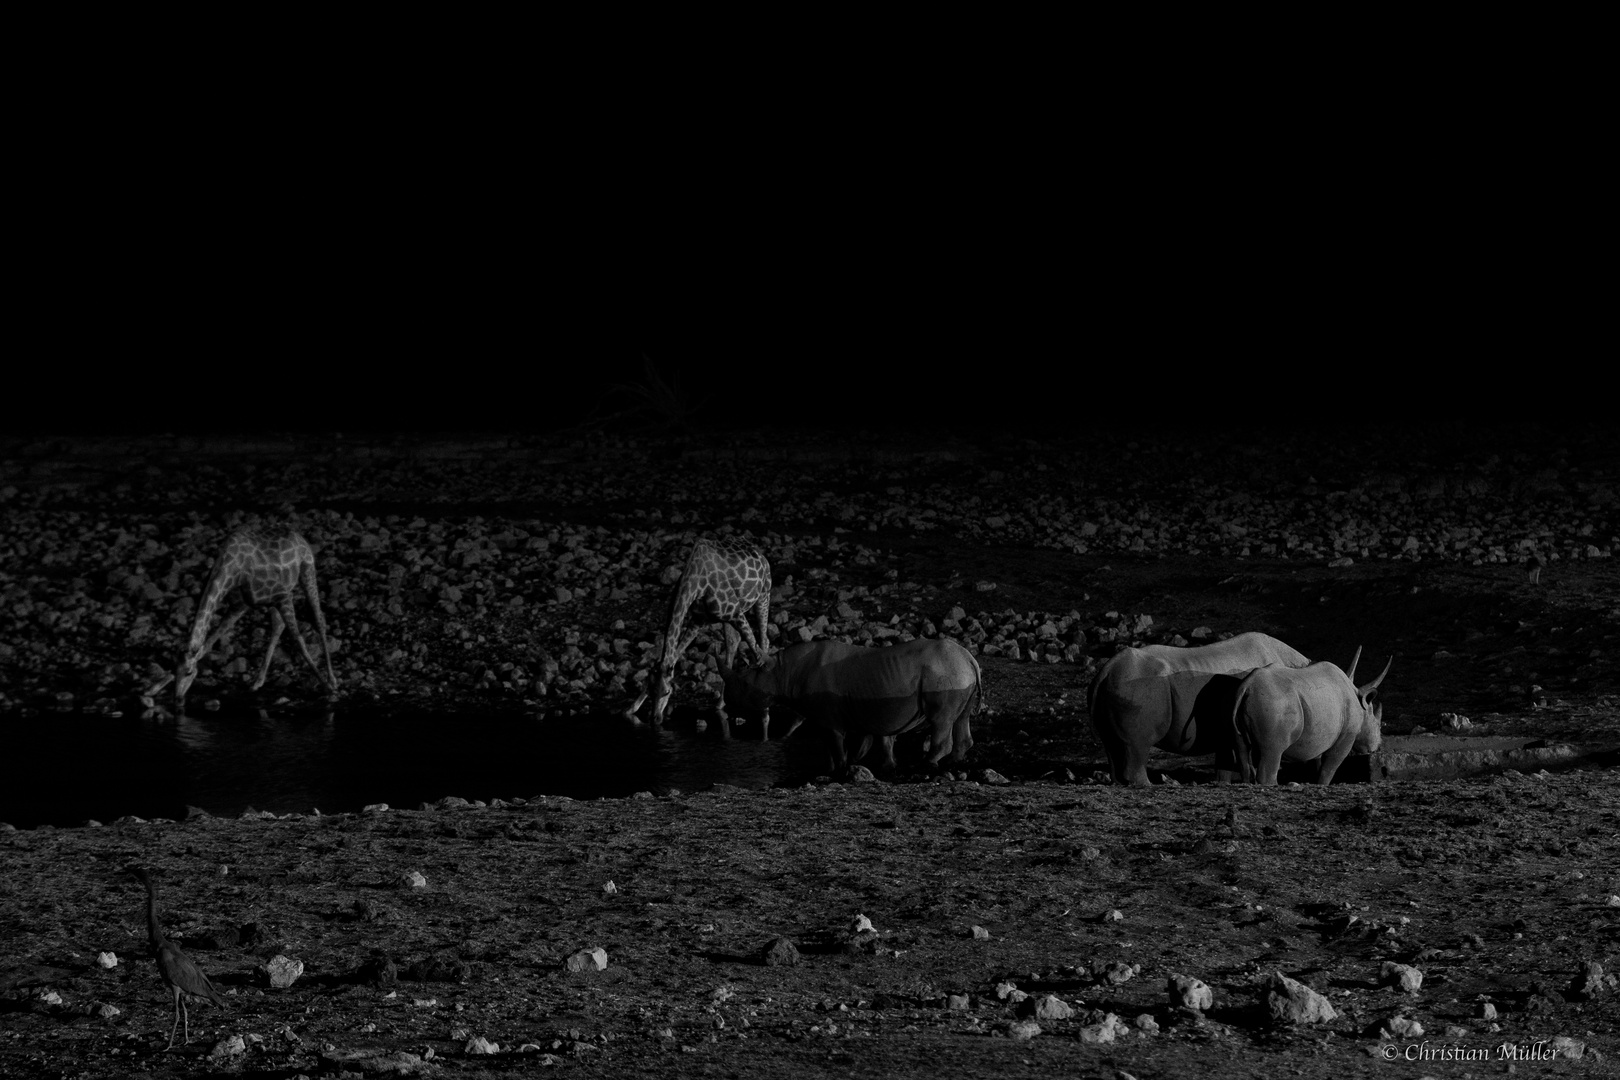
178,971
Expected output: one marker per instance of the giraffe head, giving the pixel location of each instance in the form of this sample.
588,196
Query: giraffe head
660,690
184,676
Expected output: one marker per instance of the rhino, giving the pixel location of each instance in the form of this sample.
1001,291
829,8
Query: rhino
868,693
1315,713
1179,700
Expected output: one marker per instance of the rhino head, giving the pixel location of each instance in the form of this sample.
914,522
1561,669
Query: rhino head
1372,727
748,690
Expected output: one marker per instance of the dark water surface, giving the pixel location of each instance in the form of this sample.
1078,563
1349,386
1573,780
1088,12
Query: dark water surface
61,769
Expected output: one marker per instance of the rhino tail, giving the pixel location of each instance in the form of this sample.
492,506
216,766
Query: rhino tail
1247,764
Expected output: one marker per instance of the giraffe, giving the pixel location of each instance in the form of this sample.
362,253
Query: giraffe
265,565
729,581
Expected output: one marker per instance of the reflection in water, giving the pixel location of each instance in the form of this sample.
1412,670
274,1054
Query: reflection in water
67,768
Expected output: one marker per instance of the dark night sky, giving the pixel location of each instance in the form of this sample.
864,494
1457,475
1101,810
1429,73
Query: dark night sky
355,276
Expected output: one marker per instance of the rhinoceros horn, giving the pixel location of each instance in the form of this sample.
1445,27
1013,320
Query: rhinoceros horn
1354,660
1364,690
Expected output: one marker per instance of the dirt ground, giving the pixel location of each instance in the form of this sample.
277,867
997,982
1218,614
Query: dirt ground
1500,890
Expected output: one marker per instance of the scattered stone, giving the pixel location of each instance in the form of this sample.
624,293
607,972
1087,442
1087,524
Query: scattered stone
860,774
280,972
1408,978
860,925
107,960
1107,1030
779,952
380,970
1189,993
1566,1047
413,880
1114,915
1146,1024
1291,1002
107,1012
1588,983
1007,991
992,777
979,933
1046,1007
1023,1030
372,1062
595,959
480,1045
1487,1011
228,1047
375,808
957,1002
610,888
1113,972
1402,1028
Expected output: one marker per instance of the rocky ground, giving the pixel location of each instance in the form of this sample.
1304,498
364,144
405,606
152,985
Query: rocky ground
482,573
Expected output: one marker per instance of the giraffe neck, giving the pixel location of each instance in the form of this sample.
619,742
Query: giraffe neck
672,634
218,585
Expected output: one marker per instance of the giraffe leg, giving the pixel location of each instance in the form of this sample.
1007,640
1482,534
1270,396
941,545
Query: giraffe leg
224,628
667,675
762,649
276,627
291,619
313,595
732,643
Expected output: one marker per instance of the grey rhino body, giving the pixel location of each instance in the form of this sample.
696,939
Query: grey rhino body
1179,700
869,693
1304,714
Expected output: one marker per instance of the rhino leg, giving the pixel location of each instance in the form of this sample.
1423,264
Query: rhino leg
1335,757
840,760
961,736
1269,762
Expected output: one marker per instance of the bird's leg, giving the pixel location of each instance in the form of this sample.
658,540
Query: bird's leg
276,626
185,1018
176,1026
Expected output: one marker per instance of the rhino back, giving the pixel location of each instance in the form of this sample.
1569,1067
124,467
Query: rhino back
1241,653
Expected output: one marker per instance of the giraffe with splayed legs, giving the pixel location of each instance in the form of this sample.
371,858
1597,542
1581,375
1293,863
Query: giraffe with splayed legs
262,566
726,580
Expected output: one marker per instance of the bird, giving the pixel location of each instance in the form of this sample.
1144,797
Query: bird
178,971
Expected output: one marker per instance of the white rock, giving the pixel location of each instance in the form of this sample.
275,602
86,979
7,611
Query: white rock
1188,992
107,960
282,971
1566,1047
228,1047
480,1045
1487,1011
980,933
1110,1028
413,880
1146,1024
1294,1002
610,888
1402,1028
1408,978
1023,1030
860,924
594,959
